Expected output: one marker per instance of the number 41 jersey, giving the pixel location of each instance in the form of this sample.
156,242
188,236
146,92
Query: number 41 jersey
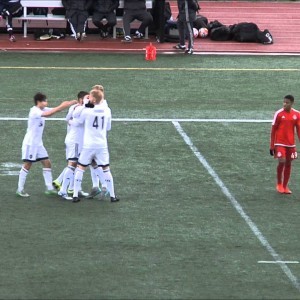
97,121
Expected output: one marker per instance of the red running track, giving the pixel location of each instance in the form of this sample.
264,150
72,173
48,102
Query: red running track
281,18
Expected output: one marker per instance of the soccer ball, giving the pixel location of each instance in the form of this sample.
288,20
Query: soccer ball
203,32
195,32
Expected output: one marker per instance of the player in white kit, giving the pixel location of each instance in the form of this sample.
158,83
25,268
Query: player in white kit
73,142
33,149
97,121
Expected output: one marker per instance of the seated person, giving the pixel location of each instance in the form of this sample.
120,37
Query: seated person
9,9
77,13
105,9
135,10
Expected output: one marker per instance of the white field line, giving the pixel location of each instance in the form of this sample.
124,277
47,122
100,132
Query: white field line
238,208
278,262
159,120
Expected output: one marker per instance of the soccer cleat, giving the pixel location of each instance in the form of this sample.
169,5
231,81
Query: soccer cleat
104,192
56,184
280,188
127,39
114,199
22,194
50,192
12,38
94,192
64,196
287,191
189,51
179,47
82,194
75,199
138,35
103,34
78,36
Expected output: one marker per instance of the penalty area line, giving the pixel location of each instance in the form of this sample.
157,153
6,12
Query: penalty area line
237,206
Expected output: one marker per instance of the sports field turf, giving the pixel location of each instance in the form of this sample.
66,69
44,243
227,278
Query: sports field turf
199,217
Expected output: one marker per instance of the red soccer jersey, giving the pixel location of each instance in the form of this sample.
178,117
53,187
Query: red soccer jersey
283,128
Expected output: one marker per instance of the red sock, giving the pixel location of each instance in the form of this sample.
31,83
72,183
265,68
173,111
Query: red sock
287,174
280,168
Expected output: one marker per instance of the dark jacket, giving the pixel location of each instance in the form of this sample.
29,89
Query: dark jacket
187,10
105,6
134,5
4,4
83,5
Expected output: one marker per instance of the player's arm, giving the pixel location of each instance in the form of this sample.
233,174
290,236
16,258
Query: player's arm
273,135
62,106
298,128
79,120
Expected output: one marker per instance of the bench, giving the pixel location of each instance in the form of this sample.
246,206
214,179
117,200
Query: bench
50,17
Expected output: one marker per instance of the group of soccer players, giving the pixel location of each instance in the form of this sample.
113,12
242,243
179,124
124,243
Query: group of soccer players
88,119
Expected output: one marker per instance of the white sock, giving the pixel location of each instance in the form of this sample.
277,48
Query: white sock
95,178
67,179
61,175
22,179
77,181
47,173
109,182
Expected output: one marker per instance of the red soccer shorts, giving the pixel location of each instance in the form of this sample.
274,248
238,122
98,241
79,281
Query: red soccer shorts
289,153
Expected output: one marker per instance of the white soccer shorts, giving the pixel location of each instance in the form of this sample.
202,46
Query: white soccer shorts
100,155
33,153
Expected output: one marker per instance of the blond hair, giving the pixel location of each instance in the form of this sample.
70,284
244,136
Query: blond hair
97,95
98,87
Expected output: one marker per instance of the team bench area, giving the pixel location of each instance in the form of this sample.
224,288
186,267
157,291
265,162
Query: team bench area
27,4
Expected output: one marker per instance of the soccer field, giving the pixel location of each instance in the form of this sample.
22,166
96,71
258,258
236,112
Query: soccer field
199,216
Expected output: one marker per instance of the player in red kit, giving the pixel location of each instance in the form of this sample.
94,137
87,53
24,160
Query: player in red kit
282,143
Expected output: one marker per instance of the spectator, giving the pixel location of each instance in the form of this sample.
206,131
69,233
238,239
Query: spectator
9,9
105,9
135,10
187,10
77,13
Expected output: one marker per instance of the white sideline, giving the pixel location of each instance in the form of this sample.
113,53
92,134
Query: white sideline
238,207
158,120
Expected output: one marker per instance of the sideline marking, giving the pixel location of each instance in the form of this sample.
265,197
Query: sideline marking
150,69
278,262
159,120
238,207
6,169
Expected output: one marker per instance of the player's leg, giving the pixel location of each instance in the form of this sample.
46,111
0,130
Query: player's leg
29,154
291,154
22,179
68,177
280,155
84,160
47,174
102,159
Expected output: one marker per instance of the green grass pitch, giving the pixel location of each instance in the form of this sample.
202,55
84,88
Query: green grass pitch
176,233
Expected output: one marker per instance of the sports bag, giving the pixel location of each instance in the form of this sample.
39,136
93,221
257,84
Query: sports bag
221,33
265,37
244,32
171,32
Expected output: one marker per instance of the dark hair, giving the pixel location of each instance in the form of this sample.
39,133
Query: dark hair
81,94
38,97
289,97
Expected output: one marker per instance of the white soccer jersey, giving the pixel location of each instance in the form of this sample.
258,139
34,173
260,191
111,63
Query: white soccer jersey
35,127
97,121
74,131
